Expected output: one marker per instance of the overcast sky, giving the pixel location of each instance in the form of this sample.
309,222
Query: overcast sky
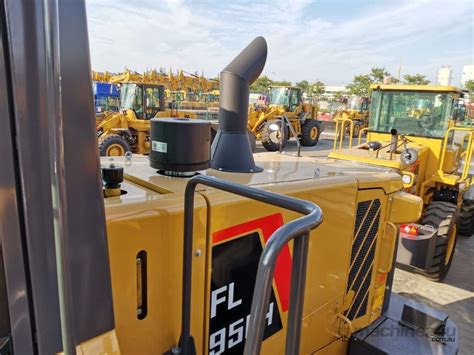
327,40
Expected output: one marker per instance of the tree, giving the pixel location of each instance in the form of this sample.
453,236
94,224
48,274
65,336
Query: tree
261,84
360,86
338,95
394,80
377,74
469,85
318,88
304,85
417,79
281,83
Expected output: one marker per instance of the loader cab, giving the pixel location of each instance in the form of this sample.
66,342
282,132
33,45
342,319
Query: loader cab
289,97
418,111
358,103
146,100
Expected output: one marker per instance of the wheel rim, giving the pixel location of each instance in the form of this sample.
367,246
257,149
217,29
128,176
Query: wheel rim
314,133
450,246
275,136
115,150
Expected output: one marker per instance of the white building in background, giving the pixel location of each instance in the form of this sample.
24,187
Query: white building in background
444,75
330,91
467,73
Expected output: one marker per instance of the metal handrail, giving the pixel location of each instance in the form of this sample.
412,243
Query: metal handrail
299,227
341,136
284,119
359,139
469,149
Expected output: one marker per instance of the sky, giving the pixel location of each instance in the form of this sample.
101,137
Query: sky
326,40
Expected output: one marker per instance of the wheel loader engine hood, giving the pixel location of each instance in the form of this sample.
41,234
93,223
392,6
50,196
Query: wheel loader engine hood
231,150
383,157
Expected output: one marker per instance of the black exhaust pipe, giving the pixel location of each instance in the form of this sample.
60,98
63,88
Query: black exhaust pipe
231,150
393,140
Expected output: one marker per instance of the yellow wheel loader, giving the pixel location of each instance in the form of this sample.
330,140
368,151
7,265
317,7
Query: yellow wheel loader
187,251
128,130
356,110
434,159
265,122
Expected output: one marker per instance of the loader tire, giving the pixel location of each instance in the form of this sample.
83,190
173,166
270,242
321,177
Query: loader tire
466,219
443,217
357,128
310,133
113,145
271,136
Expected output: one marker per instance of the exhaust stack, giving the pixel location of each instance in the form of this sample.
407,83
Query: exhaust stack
231,150
393,140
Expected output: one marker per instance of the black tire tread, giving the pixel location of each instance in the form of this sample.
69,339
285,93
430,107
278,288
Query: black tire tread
112,139
306,140
267,143
466,218
442,216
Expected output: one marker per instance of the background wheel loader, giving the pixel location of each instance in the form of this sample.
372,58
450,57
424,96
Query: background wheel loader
172,263
129,129
434,158
265,121
143,97
356,109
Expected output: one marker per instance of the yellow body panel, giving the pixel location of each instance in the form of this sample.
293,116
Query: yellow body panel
103,344
149,218
405,208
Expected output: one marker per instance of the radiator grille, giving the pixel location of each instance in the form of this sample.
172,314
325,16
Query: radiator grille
362,256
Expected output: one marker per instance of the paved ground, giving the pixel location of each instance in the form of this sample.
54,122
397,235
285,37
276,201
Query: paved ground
455,295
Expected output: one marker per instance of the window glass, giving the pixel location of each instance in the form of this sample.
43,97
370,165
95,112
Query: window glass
153,101
293,99
279,96
130,97
355,103
411,113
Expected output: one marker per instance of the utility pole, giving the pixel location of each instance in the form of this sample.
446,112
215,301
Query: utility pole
399,69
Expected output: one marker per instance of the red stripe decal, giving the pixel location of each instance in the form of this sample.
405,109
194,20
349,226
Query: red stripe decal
267,225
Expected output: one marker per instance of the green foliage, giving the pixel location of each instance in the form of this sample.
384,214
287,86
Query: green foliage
360,86
281,83
264,82
305,86
469,85
318,88
261,84
417,79
338,96
377,74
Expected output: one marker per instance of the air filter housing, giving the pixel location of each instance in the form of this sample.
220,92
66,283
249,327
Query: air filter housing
179,146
